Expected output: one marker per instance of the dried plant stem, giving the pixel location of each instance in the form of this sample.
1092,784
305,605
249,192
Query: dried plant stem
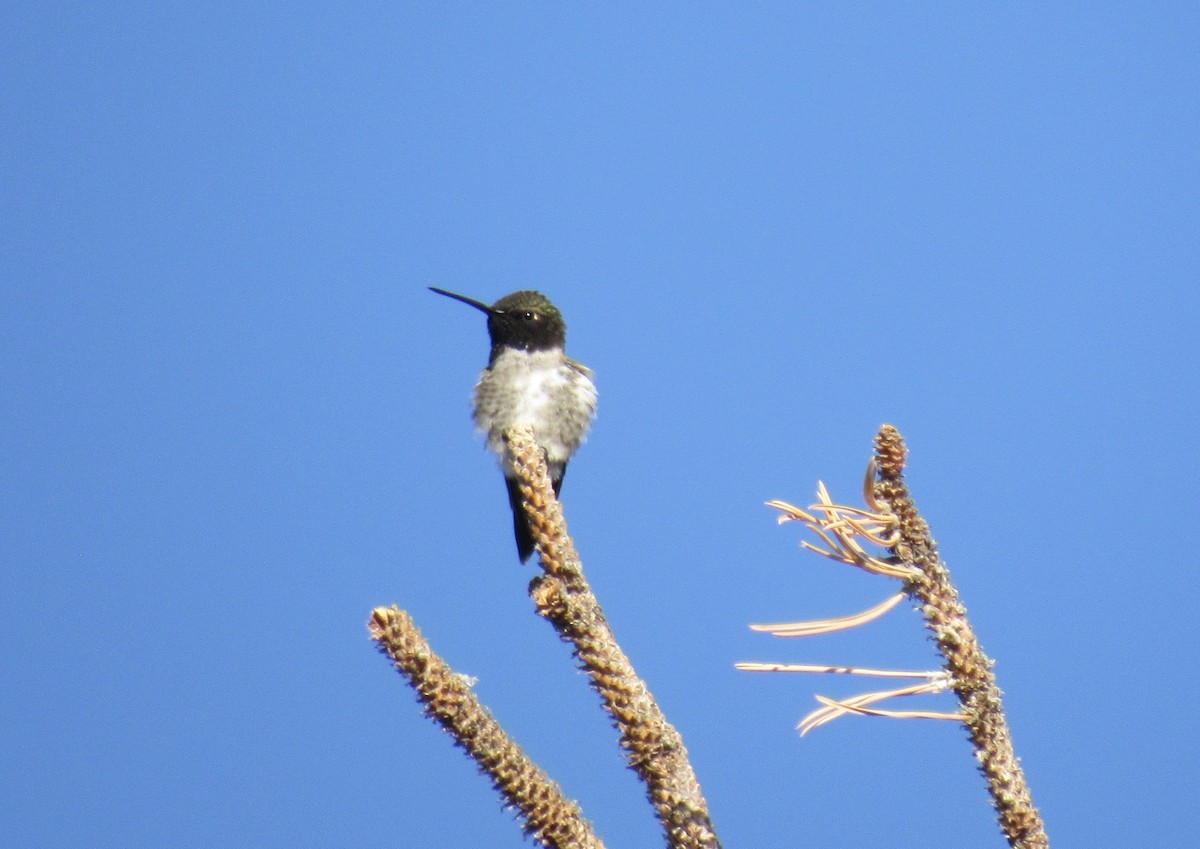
970,669
831,625
654,748
548,816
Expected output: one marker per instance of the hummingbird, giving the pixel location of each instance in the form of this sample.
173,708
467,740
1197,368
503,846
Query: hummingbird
529,380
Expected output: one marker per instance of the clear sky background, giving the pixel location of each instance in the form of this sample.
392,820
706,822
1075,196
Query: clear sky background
235,420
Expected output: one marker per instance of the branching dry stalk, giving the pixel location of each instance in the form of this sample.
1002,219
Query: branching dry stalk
547,815
969,668
847,535
654,747
891,522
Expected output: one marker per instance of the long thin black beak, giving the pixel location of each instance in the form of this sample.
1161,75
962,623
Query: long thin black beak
479,305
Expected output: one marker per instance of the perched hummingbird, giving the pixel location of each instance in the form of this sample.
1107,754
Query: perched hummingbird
529,380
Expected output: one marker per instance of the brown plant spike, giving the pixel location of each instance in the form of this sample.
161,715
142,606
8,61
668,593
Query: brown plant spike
970,669
654,747
549,817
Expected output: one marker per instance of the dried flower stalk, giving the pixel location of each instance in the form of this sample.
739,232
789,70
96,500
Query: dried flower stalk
891,521
654,747
970,670
547,815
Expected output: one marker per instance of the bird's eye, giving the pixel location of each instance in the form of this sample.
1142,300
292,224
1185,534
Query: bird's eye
530,316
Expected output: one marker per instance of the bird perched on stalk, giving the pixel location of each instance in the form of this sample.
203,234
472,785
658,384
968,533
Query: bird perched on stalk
530,381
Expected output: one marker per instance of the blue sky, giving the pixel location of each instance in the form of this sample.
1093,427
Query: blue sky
235,420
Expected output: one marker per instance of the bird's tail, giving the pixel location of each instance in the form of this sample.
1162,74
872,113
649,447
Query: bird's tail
521,529
520,521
